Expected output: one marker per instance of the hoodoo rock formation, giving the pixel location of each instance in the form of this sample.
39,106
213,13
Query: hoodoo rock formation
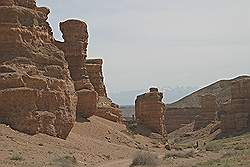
235,114
208,111
36,91
150,111
75,44
86,74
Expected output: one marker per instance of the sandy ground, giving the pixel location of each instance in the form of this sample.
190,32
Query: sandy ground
94,143
89,144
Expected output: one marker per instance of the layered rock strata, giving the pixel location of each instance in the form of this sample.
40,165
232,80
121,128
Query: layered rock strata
94,69
235,114
150,111
75,44
36,91
207,115
108,110
105,107
179,117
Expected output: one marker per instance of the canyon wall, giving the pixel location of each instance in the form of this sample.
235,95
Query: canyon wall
150,111
36,91
179,117
207,115
235,114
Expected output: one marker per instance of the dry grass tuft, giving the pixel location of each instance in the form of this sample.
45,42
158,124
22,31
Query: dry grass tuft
180,154
145,159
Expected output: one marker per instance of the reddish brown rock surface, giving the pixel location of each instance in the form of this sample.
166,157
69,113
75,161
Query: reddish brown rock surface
105,107
235,114
75,44
108,110
188,109
150,111
178,117
208,111
36,91
94,69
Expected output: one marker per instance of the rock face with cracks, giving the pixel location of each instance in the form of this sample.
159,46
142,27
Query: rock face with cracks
75,44
94,69
235,114
105,107
207,115
36,91
176,118
150,111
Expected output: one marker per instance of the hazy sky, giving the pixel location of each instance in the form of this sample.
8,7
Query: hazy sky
162,42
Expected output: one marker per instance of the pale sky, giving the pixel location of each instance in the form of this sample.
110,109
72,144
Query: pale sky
162,42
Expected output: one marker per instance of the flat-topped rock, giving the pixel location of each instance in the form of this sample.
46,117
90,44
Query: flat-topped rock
150,111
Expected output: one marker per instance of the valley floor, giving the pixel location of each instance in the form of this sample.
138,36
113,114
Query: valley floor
101,143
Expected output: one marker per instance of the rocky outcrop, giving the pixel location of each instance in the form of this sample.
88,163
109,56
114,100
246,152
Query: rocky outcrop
150,111
108,110
75,44
105,107
177,118
217,103
208,111
235,114
94,69
221,89
36,91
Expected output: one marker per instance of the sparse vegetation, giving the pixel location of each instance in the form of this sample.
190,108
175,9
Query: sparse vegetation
236,152
180,154
235,143
145,159
17,157
66,161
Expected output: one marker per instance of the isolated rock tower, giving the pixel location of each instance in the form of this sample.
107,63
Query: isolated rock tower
75,35
150,111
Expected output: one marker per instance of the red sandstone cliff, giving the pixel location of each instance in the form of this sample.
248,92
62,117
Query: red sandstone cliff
36,91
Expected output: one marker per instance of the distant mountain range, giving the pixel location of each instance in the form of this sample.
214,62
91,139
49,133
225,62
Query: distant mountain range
170,94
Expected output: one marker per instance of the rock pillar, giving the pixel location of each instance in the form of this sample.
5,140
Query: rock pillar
150,111
75,35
